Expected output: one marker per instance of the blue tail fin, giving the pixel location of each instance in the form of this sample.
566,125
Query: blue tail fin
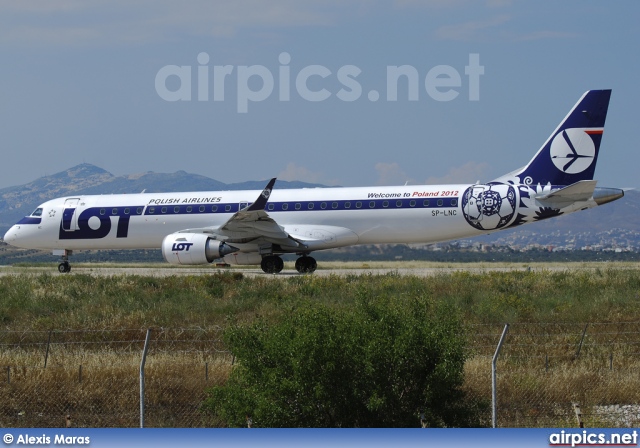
570,153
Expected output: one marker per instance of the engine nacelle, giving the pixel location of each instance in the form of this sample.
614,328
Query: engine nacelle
243,258
193,248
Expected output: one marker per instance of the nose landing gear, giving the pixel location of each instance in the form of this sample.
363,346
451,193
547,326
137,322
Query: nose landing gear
64,266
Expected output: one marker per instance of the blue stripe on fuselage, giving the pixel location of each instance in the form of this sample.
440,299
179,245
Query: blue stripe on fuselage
29,220
292,206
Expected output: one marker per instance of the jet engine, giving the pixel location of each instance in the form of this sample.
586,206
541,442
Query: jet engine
193,248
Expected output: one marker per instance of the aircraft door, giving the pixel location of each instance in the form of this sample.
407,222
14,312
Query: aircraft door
474,202
69,215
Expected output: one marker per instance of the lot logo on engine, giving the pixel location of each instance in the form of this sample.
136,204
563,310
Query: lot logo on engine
179,247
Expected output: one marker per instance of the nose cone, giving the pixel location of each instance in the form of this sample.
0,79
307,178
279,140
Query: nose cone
11,235
8,236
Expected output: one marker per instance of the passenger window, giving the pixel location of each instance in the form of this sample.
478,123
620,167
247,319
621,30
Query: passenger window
412,203
298,206
440,202
358,204
310,206
385,204
114,211
372,204
425,203
214,208
454,202
152,210
285,206
139,211
227,208
176,209
102,211
164,210
323,205
127,211
398,203
334,205
347,205
271,207
201,209
189,208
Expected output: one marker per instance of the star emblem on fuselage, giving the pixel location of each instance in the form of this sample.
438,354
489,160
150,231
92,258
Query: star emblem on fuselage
52,213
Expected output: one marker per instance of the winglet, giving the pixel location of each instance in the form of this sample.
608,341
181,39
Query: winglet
261,202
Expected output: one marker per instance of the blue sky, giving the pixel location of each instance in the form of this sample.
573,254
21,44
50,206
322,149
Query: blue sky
79,83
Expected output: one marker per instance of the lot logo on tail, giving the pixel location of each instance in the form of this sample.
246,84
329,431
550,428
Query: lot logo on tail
572,150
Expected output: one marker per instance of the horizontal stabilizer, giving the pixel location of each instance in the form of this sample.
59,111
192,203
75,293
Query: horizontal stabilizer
578,192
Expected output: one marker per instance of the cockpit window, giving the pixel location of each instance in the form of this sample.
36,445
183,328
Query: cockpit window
37,212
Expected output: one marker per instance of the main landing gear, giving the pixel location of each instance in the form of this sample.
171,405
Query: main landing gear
273,264
306,264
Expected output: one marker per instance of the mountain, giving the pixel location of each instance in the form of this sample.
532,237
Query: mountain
19,201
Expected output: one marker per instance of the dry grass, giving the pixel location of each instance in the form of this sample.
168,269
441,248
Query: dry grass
548,308
102,389
532,396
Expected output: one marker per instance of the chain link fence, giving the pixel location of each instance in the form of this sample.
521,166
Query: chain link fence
92,378
547,374
559,374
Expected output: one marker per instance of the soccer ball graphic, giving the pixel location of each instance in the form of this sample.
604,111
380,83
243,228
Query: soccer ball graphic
489,207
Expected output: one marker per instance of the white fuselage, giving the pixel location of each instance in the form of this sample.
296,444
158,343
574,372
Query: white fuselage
364,215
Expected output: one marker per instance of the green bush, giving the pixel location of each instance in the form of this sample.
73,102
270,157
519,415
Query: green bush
377,364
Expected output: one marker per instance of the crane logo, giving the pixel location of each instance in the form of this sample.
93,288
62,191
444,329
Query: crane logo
572,150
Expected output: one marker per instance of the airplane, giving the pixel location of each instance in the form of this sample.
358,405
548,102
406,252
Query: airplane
257,227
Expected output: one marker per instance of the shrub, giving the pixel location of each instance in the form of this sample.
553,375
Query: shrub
378,364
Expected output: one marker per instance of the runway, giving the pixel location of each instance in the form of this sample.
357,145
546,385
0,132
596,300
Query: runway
418,269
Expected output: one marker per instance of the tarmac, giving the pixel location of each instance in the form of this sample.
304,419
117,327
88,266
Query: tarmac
252,271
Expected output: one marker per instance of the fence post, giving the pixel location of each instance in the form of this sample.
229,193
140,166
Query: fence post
584,332
576,409
142,362
494,393
46,354
546,363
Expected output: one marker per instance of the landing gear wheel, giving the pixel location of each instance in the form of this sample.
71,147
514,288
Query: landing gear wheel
64,267
306,265
272,264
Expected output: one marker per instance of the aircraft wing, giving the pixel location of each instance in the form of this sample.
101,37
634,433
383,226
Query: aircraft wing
253,223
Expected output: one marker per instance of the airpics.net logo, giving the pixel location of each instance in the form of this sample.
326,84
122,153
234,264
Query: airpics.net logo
313,83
